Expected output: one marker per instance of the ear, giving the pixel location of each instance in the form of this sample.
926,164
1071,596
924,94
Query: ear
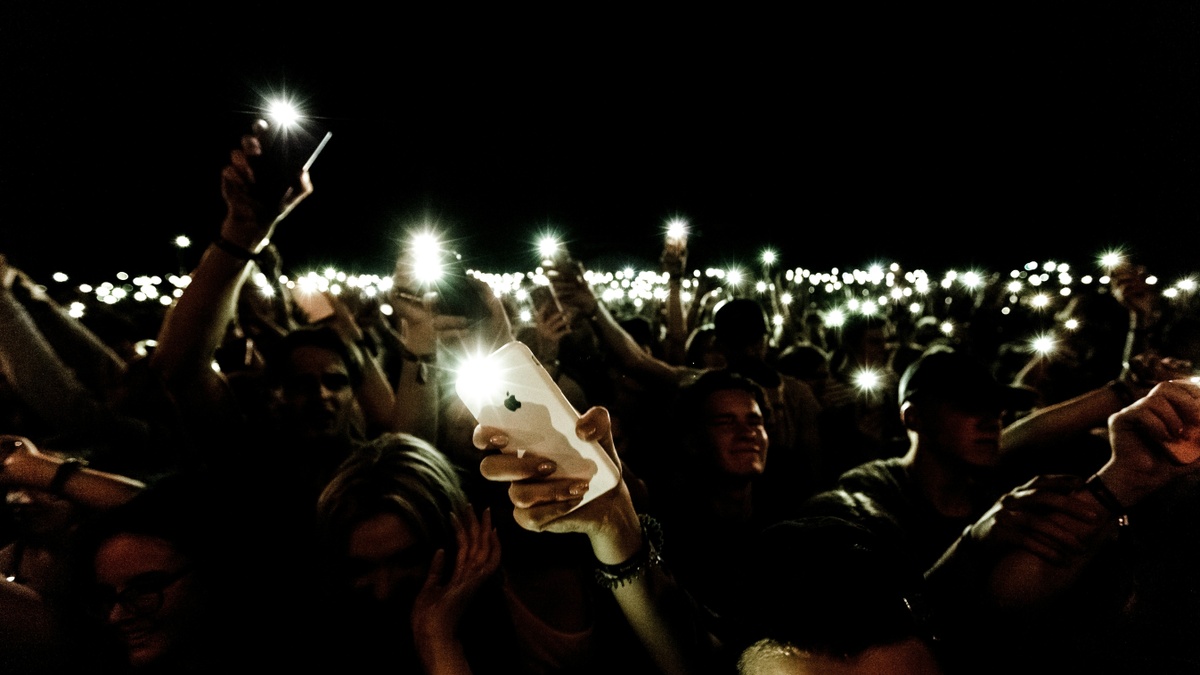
910,416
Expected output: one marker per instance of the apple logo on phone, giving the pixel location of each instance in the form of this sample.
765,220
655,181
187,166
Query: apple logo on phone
512,403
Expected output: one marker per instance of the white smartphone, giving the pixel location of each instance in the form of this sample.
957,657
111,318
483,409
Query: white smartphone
509,389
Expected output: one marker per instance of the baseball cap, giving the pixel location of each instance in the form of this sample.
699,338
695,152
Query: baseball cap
954,376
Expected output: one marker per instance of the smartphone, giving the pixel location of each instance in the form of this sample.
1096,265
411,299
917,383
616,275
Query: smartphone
285,155
509,389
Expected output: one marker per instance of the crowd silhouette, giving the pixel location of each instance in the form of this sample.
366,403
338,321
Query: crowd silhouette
847,472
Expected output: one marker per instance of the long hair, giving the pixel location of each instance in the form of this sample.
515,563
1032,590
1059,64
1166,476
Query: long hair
396,473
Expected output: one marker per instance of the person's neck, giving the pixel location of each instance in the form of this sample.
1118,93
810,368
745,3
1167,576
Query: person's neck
733,501
951,490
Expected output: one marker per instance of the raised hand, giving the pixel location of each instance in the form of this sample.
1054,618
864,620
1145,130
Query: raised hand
442,600
249,222
543,503
1153,440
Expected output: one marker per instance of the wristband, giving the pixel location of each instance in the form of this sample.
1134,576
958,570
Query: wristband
69,467
648,556
1123,392
243,254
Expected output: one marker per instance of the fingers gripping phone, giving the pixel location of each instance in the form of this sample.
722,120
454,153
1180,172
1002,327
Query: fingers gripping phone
510,390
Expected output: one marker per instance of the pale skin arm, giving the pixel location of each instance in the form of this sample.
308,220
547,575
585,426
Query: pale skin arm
653,604
22,464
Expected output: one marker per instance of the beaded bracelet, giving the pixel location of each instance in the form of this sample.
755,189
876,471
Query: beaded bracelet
647,557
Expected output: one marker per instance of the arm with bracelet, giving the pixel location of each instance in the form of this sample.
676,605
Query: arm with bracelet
1154,441
627,546
23,464
195,326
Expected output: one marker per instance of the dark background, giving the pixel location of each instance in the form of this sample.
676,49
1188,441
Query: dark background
938,136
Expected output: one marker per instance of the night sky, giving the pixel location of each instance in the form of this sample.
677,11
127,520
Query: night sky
939,136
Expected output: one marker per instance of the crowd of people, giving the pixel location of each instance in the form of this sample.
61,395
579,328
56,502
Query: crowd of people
277,482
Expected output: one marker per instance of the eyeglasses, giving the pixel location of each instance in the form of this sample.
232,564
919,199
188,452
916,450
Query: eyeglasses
143,595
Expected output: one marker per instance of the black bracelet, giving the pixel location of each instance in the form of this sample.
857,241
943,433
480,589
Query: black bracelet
1123,392
69,467
648,556
243,254
1106,498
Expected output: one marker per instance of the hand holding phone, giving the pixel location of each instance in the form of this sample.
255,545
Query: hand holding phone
510,390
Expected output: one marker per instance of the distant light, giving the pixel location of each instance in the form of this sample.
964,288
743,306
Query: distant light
548,247
676,229
182,241
768,257
1043,344
60,277
867,379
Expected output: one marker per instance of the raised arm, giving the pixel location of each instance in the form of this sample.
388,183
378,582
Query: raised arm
572,289
624,544
195,326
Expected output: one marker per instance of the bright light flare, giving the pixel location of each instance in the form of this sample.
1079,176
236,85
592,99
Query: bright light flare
283,113
425,251
1043,344
676,230
548,247
867,379
1110,259
769,257
182,241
